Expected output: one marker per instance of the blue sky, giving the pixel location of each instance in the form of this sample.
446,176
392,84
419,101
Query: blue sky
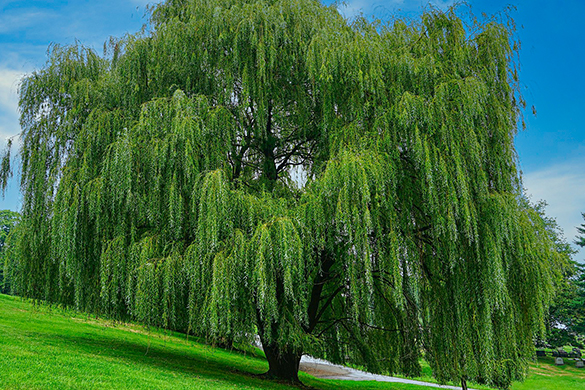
551,149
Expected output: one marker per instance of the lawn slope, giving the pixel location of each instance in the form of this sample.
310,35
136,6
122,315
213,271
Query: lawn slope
49,348
44,348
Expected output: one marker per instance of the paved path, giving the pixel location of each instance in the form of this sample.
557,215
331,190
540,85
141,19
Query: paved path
323,369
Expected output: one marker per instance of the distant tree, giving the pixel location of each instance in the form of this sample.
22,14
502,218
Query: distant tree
577,324
8,221
580,238
161,184
566,324
567,318
565,321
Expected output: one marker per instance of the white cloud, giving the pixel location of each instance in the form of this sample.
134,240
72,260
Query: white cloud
9,126
9,79
562,186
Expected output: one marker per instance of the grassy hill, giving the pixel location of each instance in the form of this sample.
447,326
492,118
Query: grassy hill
44,348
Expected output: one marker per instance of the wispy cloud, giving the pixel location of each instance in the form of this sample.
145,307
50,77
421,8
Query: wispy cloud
145,2
9,126
562,186
442,4
381,9
13,21
9,79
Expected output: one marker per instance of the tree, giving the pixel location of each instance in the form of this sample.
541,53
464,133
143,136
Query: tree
164,178
565,320
567,314
580,238
8,221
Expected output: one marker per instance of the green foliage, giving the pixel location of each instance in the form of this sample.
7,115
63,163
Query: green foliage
161,177
8,236
580,239
8,221
565,322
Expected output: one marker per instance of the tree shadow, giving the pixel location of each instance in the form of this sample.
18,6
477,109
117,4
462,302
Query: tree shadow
231,367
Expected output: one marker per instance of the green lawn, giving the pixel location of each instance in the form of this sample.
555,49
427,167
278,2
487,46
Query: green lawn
544,375
43,348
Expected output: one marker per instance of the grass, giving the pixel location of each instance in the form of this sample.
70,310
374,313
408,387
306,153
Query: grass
50,348
545,375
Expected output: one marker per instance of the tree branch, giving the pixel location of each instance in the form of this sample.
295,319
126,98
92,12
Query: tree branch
328,302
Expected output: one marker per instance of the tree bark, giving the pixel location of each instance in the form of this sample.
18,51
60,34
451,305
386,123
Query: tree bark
283,364
267,146
463,384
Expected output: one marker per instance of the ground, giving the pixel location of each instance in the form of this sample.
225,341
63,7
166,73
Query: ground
51,348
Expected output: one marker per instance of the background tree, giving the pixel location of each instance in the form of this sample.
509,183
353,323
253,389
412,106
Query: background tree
565,321
8,221
580,238
162,178
567,314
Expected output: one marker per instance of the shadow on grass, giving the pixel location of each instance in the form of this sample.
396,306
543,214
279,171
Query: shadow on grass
96,343
203,361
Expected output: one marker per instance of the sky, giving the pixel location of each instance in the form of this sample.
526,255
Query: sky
552,72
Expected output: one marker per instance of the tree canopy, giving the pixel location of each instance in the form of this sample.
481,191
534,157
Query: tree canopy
343,188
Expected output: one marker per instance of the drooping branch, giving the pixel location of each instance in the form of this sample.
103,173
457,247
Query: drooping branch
326,262
326,305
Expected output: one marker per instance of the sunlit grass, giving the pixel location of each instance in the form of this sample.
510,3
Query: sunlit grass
44,348
545,375
50,348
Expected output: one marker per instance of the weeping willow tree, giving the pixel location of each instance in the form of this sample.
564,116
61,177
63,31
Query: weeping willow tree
347,189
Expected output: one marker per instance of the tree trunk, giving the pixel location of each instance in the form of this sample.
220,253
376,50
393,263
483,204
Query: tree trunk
283,364
463,384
